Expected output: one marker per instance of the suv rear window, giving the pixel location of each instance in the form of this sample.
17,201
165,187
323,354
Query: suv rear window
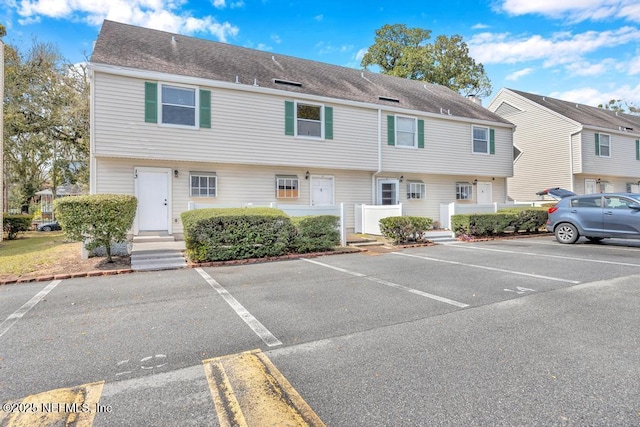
587,202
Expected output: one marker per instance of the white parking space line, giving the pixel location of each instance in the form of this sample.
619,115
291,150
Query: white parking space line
391,284
484,267
580,246
17,315
590,260
267,337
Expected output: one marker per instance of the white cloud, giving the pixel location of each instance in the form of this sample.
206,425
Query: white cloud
276,38
219,4
480,26
324,48
158,14
319,17
360,54
558,49
575,10
592,96
517,74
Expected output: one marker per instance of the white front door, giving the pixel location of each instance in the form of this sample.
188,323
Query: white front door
152,191
321,191
388,191
485,194
590,186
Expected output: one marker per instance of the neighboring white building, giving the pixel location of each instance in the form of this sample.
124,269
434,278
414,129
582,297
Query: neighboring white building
563,144
176,119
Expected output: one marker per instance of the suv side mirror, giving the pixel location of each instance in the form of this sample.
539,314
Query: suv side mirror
635,207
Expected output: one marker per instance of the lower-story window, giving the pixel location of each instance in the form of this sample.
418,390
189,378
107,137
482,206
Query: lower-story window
415,190
464,191
287,186
203,184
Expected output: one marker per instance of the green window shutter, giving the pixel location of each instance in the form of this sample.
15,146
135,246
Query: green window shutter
492,141
328,122
288,118
597,144
151,102
420,133
637,149
391,130
205,108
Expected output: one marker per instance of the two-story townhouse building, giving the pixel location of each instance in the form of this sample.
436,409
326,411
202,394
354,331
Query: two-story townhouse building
177,119
563,144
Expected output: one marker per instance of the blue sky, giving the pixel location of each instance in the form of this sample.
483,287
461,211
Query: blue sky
585,51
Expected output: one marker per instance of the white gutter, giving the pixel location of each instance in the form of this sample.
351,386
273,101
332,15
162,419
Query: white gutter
92,139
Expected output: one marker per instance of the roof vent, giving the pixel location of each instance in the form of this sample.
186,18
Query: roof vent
237,79
443,111
287,82
387,98
626,129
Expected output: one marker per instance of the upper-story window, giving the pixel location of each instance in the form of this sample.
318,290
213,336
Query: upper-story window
603,145
178,105
406,131
308,120
480,140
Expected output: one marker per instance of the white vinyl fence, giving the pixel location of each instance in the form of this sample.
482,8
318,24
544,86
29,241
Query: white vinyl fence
367,217
291,210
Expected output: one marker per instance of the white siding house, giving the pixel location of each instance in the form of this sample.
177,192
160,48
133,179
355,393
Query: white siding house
178,120
563,144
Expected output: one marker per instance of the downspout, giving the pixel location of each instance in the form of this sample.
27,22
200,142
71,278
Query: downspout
92,136
571,185
374,193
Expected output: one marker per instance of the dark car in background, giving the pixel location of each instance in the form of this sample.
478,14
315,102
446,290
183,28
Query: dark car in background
49,226
596,217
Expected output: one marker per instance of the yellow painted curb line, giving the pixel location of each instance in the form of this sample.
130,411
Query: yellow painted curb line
74,406
248,390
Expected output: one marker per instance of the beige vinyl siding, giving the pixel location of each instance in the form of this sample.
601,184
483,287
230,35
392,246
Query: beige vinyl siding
245,128
545,141
621,163
441,189
619,183
576,147
448,150
237,185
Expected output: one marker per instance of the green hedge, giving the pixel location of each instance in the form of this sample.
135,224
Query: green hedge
403,229
98,220
316,233
221,234
14,224
492,224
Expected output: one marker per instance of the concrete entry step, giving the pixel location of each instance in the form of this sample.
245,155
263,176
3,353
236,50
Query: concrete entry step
157,252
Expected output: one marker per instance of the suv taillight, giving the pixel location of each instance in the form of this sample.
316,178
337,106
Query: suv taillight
552,209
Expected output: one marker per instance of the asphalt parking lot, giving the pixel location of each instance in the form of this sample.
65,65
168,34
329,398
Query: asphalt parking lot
505,332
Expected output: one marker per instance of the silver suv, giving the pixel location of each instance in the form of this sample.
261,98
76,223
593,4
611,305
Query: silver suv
596,217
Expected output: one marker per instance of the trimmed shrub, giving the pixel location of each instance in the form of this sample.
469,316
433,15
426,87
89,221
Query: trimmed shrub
530,220
221,234
14,224
403,229
316,233
489,224
98,220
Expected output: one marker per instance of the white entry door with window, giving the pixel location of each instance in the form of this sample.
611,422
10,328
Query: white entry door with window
388,191
152,192
322,191
484,192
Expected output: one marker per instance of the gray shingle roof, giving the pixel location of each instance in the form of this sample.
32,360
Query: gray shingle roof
585,114
158,51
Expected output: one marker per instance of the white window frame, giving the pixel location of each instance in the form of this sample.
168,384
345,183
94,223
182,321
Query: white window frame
460,195
416,190
289,190
608,145
311,104
473,140
633,186
398,131
196,106
207,175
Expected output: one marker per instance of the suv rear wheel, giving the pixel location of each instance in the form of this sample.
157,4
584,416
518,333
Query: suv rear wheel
566,233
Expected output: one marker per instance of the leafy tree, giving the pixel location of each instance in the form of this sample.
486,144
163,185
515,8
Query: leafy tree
406,52
46,122
620,106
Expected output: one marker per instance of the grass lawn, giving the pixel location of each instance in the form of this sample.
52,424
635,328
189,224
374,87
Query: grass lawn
35,251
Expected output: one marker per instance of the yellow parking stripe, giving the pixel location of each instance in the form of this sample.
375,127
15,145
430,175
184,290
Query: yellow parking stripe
74,406
248,390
